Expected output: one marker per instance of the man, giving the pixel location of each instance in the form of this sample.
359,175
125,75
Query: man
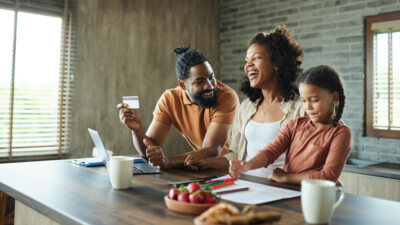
201,108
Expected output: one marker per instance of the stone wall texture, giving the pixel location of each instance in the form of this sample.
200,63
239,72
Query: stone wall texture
331,32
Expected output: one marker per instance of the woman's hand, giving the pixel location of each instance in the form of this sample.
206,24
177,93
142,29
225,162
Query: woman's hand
236,167
278,175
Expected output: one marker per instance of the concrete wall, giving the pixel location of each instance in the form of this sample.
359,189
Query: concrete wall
124,47
331,32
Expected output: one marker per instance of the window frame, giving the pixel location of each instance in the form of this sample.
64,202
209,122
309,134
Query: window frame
66,84
369,68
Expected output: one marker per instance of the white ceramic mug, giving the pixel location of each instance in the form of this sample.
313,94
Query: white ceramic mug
318,200
120,169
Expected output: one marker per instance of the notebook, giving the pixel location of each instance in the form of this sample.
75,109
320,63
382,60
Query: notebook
138,167
88,162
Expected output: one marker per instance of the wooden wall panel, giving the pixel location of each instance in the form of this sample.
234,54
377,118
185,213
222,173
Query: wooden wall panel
125,48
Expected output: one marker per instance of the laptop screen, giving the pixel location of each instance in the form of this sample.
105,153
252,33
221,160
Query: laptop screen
99,145
139,168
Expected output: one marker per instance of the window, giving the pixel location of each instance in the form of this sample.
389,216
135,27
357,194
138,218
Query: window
35,81
383,75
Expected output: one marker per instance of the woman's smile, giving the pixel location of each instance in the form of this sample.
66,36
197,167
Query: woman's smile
252,74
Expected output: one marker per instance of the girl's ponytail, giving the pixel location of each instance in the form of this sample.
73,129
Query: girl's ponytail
339,109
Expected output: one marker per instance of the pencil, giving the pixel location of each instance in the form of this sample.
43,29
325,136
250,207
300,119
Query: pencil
213,183
222,185
231,191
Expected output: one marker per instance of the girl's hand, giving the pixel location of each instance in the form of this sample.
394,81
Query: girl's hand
278,175
236,167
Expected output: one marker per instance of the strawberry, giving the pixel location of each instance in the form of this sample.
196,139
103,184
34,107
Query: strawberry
173,193
192,187
183,197
209,199
196,197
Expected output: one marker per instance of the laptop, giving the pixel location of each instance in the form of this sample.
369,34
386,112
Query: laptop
139,167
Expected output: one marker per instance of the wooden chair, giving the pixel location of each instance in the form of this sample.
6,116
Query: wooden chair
9,218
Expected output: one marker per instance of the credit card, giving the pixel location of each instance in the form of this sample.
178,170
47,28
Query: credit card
132,101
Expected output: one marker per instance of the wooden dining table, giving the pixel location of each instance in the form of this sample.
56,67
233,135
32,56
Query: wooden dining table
59,192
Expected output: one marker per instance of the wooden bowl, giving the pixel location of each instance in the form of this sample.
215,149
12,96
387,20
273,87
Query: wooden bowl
184,207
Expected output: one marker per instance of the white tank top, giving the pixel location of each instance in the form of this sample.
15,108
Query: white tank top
259,135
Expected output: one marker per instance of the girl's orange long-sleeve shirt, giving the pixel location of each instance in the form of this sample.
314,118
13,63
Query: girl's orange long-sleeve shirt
322,151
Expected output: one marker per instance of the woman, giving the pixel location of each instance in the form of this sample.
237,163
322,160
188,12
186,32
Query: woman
272,66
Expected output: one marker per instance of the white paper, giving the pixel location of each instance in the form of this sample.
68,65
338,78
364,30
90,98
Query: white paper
257,193
132,101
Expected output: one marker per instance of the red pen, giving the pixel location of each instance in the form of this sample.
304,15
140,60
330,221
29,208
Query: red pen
225,179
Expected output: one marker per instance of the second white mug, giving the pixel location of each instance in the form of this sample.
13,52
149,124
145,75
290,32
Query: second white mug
318,200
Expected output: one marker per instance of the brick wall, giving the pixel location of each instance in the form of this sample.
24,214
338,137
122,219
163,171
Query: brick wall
331,32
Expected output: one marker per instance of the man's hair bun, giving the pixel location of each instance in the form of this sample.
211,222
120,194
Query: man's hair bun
180,50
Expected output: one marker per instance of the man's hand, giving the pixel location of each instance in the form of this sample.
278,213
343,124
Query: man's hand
129,117
195,163
237,167
156,156
278,175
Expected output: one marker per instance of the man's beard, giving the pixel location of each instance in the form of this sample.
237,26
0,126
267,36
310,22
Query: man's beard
205,102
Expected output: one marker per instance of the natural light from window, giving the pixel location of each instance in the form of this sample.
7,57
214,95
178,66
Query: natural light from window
37,62
396,79
381,80
381,111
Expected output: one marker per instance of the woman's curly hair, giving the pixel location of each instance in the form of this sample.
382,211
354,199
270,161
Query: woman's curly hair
286,55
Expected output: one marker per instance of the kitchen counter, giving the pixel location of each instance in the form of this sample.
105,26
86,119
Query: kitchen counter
384,170
59,192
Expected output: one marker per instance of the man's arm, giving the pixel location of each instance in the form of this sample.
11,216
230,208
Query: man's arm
158,132
156,135
216,136
132,120
138,142
214,142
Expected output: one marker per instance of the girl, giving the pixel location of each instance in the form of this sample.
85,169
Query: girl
318,144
